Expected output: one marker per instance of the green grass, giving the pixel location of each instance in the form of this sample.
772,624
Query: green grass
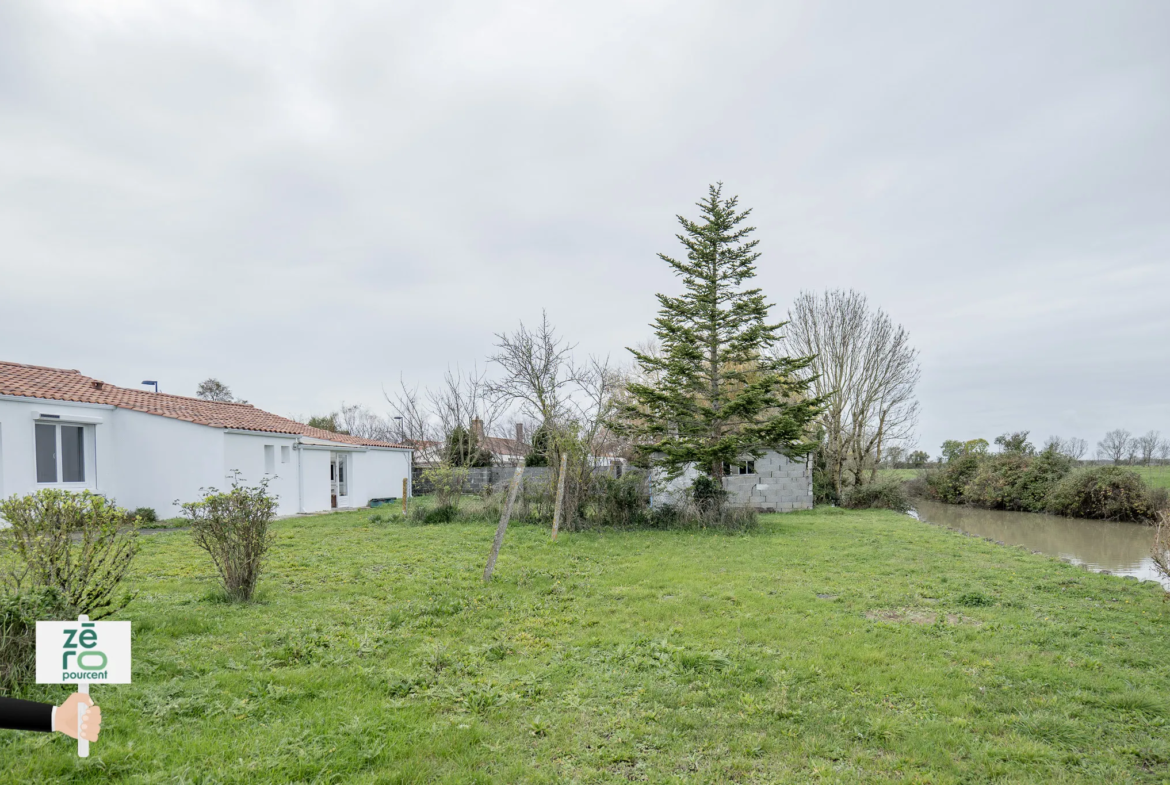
375,654
1155,476
898,474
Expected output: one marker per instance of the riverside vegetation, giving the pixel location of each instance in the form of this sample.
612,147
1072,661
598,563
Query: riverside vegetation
829,646
1020,478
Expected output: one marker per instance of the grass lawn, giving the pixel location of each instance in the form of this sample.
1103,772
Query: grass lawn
898,474
1155,476
827,646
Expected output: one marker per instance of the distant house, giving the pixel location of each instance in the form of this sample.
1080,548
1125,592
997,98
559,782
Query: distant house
504,452
770,483
60,429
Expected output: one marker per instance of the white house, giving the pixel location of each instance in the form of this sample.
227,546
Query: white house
59,429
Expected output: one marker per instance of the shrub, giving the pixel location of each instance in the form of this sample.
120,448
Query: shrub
1016,481
1108,492
824,488
974,599
708,493
993,483
541,442
19,613
1161,548
948,482
622,501
1043,473
888,495
824,491
918,487
77,543
233,528
689,515
438,514
447,483
146,515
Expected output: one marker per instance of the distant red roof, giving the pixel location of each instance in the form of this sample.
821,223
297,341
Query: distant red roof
58,384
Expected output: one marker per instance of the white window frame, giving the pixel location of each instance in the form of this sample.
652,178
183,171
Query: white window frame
745,469
285,454
270,459
88,453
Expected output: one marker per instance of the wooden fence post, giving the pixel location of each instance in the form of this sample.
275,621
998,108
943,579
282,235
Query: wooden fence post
560,496
517,479
404,496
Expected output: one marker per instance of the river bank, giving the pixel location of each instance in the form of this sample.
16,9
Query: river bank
1101,546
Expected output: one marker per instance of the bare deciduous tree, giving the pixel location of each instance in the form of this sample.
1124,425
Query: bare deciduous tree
1116,446
357,420
215,390
538,371
867,371
1147,446
412,421
1164,450
572,401
463,402
1074,447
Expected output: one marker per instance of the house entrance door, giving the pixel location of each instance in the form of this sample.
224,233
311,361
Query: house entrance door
338,479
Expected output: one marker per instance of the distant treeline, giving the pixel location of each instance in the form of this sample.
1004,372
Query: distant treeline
1119,448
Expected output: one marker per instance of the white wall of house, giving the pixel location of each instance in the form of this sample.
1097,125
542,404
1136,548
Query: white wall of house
158,460
18,420
259,456
145,460
379,474
315,478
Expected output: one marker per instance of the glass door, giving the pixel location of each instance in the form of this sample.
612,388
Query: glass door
339,479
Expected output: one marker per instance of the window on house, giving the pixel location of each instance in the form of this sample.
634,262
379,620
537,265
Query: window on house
285,454
269,459
72,453
729,469
60,453
46,453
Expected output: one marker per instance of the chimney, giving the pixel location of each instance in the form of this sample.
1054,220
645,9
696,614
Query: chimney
519,433
477,428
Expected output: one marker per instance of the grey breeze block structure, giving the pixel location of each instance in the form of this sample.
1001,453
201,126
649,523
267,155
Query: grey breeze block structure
777,484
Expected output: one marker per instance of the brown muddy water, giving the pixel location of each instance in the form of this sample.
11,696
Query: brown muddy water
1119,548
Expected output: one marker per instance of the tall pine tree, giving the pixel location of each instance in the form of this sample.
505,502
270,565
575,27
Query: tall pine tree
717,393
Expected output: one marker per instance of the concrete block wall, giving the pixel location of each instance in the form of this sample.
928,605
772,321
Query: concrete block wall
779,485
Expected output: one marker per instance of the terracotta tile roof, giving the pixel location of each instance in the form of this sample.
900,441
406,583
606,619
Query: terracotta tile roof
58,384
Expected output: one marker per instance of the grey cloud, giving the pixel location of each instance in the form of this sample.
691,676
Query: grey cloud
308,200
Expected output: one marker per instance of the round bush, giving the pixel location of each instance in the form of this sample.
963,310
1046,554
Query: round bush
1016,481
888,495
19,613
949,482
1107,492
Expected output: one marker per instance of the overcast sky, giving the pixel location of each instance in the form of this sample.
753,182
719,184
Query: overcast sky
310,200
